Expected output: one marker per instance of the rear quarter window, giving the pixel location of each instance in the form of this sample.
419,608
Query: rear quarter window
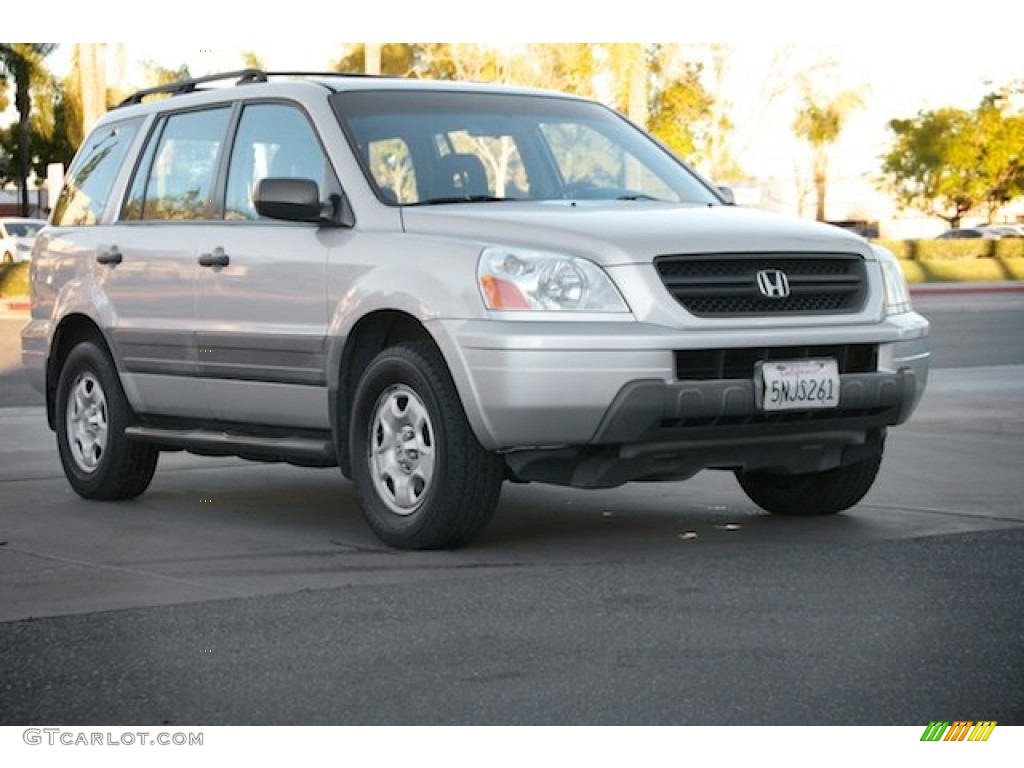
93,174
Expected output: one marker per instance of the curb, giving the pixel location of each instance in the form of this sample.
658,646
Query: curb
17,306
953,289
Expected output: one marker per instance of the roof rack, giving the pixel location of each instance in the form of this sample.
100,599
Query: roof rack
187,86
241,77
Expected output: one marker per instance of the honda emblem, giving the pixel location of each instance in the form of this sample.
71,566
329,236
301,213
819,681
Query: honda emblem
773,283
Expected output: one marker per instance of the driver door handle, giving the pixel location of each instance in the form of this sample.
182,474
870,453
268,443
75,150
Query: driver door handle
111,256
216,259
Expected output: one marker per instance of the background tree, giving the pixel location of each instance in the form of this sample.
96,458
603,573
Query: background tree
395,59
88,65
157,74
23,62
252,60
718,155
94,80
570,67
54,128
679,106
1000,147
933,163
819,122
654,85
371,58
627,65
658,89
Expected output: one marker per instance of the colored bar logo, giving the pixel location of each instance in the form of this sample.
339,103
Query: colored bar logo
960,730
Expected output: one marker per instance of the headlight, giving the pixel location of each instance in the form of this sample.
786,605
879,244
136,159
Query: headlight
515,279
897,292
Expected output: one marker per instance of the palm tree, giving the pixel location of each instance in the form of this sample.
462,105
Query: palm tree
371,54
23,62
819,123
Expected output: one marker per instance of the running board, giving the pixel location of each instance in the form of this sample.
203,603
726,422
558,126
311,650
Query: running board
304,451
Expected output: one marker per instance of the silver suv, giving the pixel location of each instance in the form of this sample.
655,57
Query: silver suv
438,287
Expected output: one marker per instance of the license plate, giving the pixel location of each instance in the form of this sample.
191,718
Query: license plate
798,385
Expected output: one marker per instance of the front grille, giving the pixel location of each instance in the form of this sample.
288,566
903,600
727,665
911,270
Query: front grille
717,285
710,364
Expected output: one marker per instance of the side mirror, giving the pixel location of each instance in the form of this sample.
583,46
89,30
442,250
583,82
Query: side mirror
726,194
288,199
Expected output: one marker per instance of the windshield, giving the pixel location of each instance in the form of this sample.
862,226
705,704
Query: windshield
433,147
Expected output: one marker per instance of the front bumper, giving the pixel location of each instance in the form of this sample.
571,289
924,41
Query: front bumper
551,385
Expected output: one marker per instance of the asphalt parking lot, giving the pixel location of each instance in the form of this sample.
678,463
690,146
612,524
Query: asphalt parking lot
237,593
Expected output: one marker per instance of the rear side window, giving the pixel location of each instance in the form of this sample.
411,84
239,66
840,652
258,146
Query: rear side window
175,179
92,175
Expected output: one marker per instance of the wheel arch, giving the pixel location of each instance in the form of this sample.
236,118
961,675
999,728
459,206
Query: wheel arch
370,335
72,330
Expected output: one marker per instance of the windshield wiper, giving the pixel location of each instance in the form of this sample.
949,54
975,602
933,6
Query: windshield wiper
462,199
640,196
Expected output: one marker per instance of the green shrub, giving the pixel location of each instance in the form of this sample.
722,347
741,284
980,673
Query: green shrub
963,270
950,250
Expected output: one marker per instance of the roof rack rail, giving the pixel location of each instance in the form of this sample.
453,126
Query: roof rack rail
187,86
241,77
320,74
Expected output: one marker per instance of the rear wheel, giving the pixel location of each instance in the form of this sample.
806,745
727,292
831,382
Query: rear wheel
92,414
814,493
424,482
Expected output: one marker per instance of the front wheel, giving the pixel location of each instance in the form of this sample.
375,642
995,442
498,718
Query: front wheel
423,480
814,493
92,414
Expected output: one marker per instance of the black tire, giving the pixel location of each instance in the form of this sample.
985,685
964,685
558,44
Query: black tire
92,414
812,494
423,479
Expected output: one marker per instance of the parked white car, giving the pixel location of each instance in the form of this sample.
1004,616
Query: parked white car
969,233
1003,230
17,236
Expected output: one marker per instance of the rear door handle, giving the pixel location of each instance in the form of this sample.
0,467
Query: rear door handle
111,256
216,259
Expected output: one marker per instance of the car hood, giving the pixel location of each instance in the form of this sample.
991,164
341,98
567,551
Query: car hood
629,232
